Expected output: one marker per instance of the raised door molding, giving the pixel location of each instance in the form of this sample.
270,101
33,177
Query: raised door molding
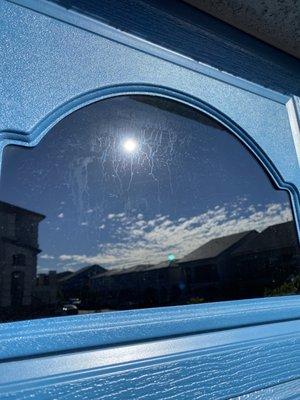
56,61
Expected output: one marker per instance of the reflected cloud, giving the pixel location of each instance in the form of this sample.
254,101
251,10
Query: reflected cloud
47,257
151,241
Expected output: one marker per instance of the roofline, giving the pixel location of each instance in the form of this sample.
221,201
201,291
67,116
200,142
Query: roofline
244,233
79,271
17,243
265,250
11,207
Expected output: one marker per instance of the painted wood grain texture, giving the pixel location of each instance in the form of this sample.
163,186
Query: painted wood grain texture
184,29
28,338
286,391
214,372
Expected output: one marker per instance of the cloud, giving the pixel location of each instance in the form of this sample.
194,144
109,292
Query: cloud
47,257
117,216
143,241
61,215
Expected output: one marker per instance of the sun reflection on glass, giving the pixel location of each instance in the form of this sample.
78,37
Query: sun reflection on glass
130,145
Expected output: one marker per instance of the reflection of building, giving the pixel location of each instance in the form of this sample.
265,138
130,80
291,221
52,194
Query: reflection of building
209,267
139,286
267,259
241,265
234,266
198,274
18,254
77,284
46,291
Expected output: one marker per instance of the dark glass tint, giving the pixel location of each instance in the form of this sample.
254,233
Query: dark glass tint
139,201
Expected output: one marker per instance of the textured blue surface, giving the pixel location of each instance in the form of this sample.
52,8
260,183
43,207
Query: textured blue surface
218,365
286,391
49,73
44,336
51,69
189,31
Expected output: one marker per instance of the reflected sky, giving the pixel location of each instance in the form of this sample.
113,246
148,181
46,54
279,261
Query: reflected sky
133,180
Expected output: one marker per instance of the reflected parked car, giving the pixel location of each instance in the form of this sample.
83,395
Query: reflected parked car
68,309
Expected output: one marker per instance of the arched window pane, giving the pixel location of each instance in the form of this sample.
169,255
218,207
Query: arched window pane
139,201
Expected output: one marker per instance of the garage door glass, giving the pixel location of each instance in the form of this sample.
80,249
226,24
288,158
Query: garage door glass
135,202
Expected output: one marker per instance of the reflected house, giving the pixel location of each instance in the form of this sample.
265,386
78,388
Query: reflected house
267,260
203,273
208,269
116,288
64,274
77,284
142,285
240,265
18,254
47,295
46,289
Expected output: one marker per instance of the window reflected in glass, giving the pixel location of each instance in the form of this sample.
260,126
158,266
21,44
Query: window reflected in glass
137,202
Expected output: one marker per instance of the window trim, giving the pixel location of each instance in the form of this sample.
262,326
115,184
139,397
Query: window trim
85,99
93,25
48,336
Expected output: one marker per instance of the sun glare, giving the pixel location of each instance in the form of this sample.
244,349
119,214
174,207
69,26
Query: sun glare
130,145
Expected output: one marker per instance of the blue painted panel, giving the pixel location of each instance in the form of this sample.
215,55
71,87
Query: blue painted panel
173,24
48,57
286,391
44,336
218,365
52,68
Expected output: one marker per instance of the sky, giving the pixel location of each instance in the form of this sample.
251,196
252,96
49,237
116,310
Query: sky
131,180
